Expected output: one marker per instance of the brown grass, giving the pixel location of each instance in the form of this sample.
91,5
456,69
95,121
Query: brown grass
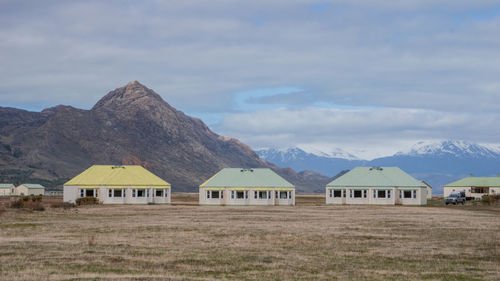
305,242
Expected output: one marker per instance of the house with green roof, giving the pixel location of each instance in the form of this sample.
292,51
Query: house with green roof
378,186
125,184
32,189
7,189
476,187
238,186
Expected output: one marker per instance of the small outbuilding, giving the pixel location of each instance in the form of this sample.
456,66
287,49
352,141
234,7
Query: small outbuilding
7,189
377,186
238,186
475,187
30,189
127,184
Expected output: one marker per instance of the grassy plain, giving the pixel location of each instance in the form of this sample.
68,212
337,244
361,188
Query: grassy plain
307,242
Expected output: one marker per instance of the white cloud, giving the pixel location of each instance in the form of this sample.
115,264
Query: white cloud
433,64
367,133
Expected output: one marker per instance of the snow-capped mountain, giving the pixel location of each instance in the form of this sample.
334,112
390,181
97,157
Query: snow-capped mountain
460,149
438,163
328,164
331,153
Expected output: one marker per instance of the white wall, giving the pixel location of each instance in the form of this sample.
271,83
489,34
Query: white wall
250,200
6,191
373,200
71,193
23,190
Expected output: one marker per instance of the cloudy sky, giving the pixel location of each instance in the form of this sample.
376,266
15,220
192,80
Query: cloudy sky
370,76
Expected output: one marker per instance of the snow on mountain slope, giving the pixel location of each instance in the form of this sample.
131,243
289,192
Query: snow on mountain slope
459,149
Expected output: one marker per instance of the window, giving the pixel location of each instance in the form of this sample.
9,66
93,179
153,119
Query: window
284,195
88,192
116,193
235,194
382,193
214,194
389,193
358,193
161,193
261,195
407,193
337,193
140,192
414,194
331,193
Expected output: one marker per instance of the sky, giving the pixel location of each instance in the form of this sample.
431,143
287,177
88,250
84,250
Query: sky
371,77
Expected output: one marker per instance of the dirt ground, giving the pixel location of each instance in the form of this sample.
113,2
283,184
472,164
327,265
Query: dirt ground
310,241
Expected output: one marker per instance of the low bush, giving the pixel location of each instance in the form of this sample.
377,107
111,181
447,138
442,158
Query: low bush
23,203
2,210
490,199
86,201
38,207
18,204
64,205
37,198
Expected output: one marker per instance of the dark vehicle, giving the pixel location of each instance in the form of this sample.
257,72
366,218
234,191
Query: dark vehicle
455,198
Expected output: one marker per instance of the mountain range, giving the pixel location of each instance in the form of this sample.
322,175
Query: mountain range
438,163
130,125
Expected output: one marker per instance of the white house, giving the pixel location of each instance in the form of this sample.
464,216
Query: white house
377,186
7,189
127,184
28,189
238,186
475,187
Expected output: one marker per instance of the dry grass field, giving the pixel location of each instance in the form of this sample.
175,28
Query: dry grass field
306,242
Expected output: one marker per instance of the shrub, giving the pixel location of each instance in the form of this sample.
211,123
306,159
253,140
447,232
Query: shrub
37,198
64,205
22,203
38,207
86,201
2,210
18,204
490,199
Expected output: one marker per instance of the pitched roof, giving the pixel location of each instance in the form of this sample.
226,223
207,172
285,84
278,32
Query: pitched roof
33,185
476,181
6,185
238,177
109,175
376,177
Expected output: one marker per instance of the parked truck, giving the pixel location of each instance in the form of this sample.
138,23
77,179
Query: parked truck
455,198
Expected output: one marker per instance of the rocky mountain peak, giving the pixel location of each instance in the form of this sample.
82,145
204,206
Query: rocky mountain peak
132,94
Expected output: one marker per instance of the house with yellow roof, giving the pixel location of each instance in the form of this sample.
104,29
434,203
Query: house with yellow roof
238,186
127,184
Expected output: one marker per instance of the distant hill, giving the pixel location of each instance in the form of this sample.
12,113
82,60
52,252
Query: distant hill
438,163
130,125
